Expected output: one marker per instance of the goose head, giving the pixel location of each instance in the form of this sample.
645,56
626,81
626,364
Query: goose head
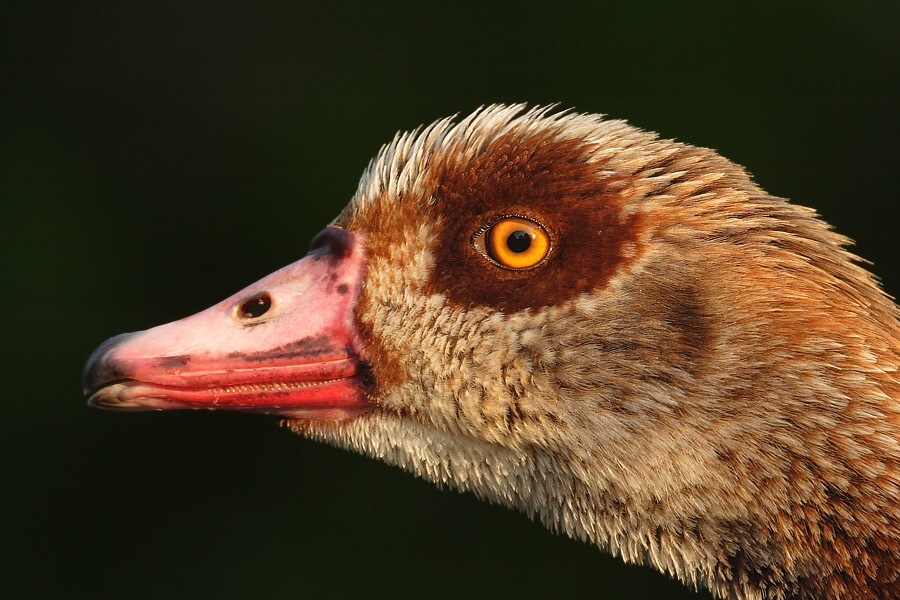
622,336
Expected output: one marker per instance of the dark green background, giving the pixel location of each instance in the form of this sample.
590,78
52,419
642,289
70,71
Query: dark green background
154,160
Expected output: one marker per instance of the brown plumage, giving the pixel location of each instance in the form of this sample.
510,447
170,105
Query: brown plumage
697,375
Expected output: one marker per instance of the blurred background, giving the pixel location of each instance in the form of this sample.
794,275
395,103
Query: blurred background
156,158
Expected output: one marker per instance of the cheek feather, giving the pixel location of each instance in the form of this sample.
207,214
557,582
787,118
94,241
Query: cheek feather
391,300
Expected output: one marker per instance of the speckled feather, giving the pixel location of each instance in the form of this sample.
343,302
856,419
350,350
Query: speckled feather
700,377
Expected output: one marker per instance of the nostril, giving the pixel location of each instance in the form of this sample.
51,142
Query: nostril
253,307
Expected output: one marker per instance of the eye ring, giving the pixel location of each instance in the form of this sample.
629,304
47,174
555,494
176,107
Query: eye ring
513,242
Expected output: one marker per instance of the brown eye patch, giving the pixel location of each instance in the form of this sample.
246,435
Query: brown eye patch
549,181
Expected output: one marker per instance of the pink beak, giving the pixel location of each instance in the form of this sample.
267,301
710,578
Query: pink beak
286,345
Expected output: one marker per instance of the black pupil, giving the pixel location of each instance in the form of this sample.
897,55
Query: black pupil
518,241
255,306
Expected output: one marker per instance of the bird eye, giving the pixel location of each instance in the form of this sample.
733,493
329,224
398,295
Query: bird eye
514,243
253,307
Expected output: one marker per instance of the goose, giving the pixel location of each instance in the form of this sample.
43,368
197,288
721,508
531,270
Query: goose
623,336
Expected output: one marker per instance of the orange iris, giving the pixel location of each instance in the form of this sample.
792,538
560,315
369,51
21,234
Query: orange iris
517,243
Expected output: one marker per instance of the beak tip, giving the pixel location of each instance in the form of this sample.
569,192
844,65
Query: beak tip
101,368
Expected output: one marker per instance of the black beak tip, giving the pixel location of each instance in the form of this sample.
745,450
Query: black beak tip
101,369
